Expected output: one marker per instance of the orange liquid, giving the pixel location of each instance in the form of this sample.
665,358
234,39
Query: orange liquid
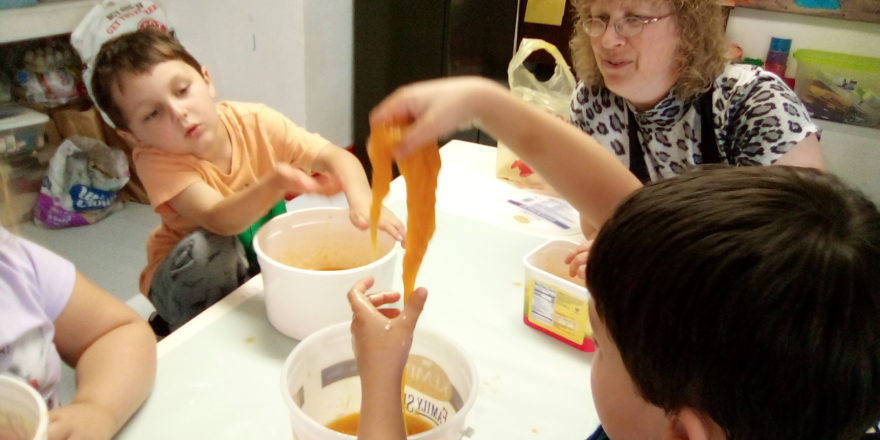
348,424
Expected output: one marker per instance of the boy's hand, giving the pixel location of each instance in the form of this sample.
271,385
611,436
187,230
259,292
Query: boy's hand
577,260
80,421
435,108
388,222
295,181
381,338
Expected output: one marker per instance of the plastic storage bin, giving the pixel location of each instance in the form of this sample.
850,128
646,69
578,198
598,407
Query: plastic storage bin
7,4
555,303
21,130
839,87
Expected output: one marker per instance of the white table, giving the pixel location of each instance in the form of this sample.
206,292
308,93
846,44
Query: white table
219,375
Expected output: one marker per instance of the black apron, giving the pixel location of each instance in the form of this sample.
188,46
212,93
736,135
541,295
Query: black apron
708,141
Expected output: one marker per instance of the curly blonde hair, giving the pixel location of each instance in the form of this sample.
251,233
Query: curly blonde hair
702,48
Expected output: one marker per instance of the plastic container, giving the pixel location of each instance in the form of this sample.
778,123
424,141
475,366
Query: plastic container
330,255
21,130
23,412
777,56
7,4
555,303
320,383
839,87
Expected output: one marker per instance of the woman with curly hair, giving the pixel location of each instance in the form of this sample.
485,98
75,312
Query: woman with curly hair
650,70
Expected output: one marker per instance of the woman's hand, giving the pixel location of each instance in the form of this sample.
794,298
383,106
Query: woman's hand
577,260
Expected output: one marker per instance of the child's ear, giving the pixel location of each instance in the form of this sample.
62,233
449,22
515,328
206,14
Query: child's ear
208,81
690,424
128,137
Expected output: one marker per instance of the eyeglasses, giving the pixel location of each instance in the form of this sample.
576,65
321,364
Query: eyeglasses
628,26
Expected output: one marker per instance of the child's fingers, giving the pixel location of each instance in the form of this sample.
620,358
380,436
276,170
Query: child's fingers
413,308
382,298
396,230
357,299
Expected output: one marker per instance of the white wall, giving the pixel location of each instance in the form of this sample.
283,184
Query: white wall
851,152
292,55
329,52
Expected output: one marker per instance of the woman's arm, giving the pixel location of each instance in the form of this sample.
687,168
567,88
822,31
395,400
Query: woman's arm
806,153
114,353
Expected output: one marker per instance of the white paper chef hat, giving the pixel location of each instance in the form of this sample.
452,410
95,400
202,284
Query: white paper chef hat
108,19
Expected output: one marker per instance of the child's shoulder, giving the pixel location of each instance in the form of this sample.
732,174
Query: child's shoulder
244,109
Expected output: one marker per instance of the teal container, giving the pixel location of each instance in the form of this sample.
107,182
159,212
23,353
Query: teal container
839,87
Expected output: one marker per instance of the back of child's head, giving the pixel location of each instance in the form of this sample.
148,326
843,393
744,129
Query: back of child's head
749,294
132,53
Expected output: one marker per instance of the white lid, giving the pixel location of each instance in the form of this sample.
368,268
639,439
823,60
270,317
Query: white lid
20,117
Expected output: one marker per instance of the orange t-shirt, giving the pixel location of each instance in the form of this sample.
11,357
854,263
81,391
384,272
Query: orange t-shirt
261,137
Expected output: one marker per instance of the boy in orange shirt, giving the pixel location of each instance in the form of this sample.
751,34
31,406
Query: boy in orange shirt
211,170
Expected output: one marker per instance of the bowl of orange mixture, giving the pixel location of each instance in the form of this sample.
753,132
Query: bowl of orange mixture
310,259
322,390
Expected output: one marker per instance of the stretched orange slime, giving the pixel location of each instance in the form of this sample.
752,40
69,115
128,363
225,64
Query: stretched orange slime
419,171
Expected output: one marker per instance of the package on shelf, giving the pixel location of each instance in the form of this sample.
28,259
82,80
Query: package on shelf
44,73
21,129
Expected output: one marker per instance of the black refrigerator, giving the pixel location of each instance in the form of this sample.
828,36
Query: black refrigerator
398,42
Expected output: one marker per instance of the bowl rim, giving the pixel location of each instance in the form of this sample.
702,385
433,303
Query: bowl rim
335,328
42,427
263,256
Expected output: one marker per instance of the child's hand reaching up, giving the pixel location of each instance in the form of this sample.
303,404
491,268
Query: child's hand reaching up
381,339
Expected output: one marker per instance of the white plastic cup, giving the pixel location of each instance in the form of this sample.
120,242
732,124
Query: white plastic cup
23,412
320,384
301,301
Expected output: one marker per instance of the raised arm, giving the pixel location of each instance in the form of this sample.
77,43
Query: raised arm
572,162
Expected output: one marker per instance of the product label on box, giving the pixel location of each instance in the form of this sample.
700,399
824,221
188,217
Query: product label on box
549,307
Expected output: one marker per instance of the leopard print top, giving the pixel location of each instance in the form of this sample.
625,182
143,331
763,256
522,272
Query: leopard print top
757,120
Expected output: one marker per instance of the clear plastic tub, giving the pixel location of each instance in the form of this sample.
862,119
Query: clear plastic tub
21,130
839,87
556,303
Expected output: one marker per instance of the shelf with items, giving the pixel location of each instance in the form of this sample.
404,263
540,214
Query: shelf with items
46,18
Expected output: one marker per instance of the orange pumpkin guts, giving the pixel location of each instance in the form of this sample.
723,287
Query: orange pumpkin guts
419,171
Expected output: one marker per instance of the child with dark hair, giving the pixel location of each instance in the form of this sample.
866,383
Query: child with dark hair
213,171
732,303
738,303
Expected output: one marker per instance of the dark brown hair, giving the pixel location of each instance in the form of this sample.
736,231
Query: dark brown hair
135,52
750,294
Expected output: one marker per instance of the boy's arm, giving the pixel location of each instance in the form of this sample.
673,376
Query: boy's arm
573,163
381,339
336,161
114,353
233,214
